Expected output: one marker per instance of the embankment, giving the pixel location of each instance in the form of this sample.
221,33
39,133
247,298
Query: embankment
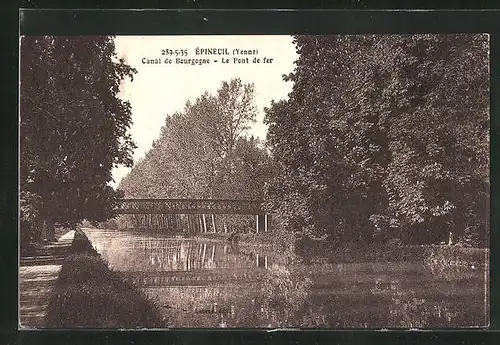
437,256
88,294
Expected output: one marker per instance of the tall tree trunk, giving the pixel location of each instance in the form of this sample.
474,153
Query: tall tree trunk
204,223
203,255
213,223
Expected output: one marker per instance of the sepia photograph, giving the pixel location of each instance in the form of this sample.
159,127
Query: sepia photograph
254,181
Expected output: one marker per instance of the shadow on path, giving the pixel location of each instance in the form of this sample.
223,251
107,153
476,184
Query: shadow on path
38,272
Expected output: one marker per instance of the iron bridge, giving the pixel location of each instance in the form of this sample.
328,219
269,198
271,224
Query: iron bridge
189,206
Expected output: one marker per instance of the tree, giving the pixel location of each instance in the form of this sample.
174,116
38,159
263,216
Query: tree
438,92
373,142
232,112
202,151
325,143
29,218
74,127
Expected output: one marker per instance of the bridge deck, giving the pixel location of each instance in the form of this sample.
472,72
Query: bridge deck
189,206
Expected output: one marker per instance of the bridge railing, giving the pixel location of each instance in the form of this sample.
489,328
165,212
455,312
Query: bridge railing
189,206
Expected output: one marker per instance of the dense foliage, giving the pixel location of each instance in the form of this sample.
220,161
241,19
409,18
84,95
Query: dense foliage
384,136
74,128
203,152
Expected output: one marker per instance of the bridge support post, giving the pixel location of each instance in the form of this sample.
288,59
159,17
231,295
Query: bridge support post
267,222
213,223
203,255
204,223
262,223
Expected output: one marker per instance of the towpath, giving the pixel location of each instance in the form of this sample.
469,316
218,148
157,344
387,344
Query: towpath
38,272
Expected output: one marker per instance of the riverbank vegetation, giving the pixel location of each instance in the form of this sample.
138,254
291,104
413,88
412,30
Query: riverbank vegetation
430,255
90,295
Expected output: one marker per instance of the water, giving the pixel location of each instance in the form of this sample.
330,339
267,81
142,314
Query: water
210,283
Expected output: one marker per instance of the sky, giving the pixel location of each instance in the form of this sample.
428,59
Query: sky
162,89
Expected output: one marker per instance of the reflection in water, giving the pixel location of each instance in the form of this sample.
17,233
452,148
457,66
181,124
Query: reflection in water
174,254
203,283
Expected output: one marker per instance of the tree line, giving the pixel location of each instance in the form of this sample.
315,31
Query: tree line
73,131
382,138
203,152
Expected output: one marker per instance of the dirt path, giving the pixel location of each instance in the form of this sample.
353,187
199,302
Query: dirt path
38,273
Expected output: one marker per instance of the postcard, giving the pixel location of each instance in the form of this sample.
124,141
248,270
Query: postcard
254,181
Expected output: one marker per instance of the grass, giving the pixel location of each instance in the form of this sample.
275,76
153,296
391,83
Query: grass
88,294
318,252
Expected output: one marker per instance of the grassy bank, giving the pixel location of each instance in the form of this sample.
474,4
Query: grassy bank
432,255
90,295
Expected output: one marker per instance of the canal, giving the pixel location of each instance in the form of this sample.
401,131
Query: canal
210,283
